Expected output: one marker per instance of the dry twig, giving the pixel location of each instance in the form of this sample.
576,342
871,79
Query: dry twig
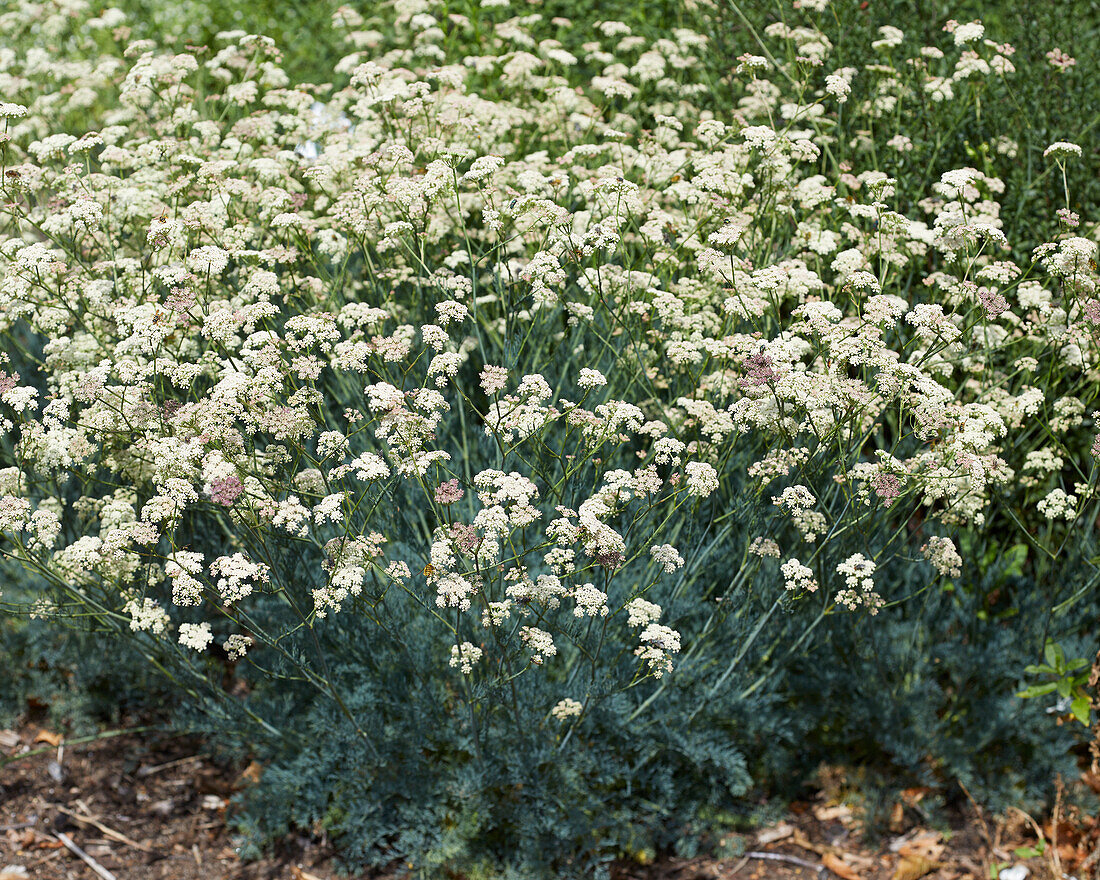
107,831
143,772
783,857
84,857
1055,858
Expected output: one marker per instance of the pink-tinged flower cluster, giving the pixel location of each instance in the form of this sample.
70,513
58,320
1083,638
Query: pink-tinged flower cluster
448,492
226,490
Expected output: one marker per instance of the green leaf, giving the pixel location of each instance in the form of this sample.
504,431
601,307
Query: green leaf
1037,690
1080,709
1049,654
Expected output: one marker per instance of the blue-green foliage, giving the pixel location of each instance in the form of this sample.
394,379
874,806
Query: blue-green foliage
923,696
385,761
72,674
926,695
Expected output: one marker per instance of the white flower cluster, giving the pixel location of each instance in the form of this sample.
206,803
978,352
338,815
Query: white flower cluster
797,502
465,656
237,576
798,577
567,708
943,555
1058,504
666,556
196,636
858,572
657,643
567,317
539,642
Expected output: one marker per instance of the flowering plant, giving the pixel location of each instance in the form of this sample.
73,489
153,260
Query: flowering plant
561,384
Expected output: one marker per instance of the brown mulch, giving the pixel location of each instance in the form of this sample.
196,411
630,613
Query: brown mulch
151,807
139,806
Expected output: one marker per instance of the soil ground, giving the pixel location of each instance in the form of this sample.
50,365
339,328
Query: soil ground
152,807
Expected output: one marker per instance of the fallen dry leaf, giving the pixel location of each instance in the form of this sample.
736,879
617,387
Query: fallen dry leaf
840,867
52,739
297,873
776,833
13,872
9,739
1066,832
1068,853
839,812
859,861
799,839
251,775
914,867
926,845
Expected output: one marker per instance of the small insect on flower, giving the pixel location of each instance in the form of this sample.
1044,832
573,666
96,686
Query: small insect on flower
429,570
